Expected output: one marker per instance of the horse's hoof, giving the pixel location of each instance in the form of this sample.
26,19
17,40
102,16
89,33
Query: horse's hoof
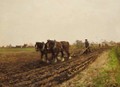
58,58
55,60
43,59
70,57
63,59
48,61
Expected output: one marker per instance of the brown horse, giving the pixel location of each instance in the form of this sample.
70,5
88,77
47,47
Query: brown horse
66,46
58,47
41,46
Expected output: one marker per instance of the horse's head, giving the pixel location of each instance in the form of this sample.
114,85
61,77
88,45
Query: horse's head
40,46
36,46
50,44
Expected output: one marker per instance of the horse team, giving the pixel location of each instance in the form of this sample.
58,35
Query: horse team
54,47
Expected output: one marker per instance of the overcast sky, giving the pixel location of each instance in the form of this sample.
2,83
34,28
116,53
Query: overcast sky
28,21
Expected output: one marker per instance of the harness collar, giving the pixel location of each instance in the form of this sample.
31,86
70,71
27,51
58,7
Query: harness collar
43,47
54,45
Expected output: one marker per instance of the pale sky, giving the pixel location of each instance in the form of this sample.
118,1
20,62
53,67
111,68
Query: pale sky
28,21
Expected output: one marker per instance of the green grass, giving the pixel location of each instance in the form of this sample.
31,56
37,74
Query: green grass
110,75
113,61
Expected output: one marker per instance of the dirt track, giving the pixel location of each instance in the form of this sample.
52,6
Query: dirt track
48,75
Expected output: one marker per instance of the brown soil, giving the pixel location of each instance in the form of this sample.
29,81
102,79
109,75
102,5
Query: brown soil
84,78
35,73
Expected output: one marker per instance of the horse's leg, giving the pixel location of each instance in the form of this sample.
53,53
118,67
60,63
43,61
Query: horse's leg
56,56
41,56
46,57
53,55
68,54
62,55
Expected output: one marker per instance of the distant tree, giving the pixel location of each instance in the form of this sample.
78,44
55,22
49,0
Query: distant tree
3,46
118,44
25,45
9,46
79,44
18,46
30,45
112,43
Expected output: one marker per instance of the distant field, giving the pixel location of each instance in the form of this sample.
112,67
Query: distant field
7,50
17,55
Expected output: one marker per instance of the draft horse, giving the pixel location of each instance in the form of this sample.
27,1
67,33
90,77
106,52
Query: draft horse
56,47
41,46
